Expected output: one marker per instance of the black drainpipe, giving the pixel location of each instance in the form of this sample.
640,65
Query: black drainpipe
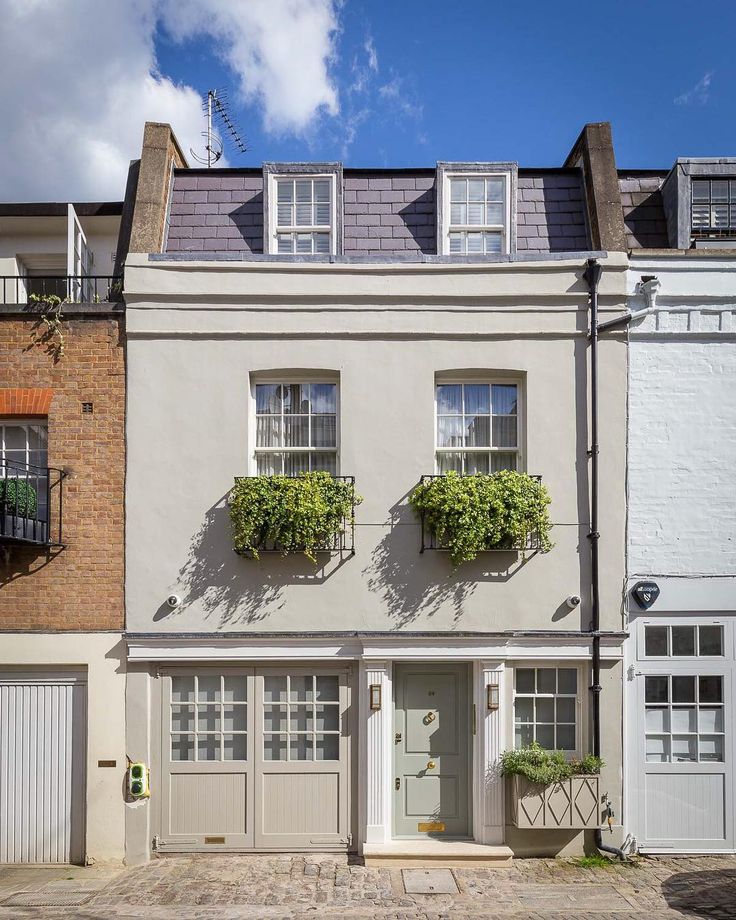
592,275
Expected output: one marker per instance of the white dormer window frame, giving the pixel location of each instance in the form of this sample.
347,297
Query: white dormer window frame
476,208
300,219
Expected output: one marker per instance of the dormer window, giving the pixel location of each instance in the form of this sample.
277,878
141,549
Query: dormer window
475,211
713,207
303,209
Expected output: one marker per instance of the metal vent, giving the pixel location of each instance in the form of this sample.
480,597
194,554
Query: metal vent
88,408
48,899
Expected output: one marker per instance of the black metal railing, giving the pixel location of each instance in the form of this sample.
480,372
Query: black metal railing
31,504
429,540
30,289
343,541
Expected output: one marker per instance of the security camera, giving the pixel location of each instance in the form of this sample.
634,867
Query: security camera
173,600
573,601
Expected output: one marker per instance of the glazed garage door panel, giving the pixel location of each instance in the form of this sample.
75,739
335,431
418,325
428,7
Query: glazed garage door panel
42,769
255,758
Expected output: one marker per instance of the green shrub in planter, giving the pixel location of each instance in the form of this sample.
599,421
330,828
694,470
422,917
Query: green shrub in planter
470,514
546,767
18,497
305,513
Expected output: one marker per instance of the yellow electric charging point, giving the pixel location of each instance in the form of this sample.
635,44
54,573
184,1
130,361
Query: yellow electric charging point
138,784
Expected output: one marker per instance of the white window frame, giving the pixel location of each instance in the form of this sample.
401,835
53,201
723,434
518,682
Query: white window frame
447,228
10,422
287,380
489,381
273,227
580,698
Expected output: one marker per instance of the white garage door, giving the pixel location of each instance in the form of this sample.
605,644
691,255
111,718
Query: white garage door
42,768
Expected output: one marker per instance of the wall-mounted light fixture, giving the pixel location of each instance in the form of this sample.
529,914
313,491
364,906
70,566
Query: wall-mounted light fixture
492,697
375,696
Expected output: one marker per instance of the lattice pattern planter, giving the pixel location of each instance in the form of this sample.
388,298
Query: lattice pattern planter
572,803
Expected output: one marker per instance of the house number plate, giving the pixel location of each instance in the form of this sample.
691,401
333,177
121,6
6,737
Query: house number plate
430,827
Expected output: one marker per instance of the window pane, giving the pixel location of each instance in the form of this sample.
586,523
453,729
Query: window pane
304,243
15,437
684,748
711,749
295,464
523,736
283,215
328,719
657,720
701,190
500,461
235,719
710,640
711,689
301,719
303,190
328,688
182,689
325,463
655,640
274,689
683,689
321,242
457,189
182,747
545,710
477,465
701,215
565,710
476,189
208,747
268,398
494,214
494,189
683,719
525,680
546,682
683,640
657,749
566,737
656,690
268,464
274,747
450,399
301,688
37,437
546,736
524,709
274,718
208,687
478,431
324,431
477,399
474,242
493,242
449,462
296,431
719,190
235,689
711,720
476,214
323,398
719,216
322,189
456,242
504,431
208,718
235,747
182,718
328,747
504,399
449,431
285,189
284,243
458,214
300,747
268,431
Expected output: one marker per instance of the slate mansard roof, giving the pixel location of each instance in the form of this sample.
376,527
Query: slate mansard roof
385,212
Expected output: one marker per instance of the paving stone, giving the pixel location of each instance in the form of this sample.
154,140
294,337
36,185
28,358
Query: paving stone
429,881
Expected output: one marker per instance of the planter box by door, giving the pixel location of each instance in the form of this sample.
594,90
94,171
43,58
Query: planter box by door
573,803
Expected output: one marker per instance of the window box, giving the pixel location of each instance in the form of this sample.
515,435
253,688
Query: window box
572,803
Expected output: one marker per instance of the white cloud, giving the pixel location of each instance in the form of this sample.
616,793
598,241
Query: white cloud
395,93
698,94
80,77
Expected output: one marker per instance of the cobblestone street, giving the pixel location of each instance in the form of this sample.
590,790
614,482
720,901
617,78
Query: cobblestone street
233,887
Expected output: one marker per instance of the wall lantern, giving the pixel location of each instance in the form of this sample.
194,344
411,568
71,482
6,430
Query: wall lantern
492,697
375,696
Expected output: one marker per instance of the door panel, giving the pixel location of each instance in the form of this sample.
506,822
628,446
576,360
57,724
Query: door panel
431,755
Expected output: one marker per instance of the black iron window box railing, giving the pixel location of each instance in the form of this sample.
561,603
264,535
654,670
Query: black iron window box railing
342,541
429,540
31,504
36,290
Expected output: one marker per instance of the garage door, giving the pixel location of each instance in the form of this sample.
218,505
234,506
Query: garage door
685,720
255,759
42,768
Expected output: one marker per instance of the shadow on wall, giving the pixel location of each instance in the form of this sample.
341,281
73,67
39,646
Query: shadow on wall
236,590
411,584
419,219
702,894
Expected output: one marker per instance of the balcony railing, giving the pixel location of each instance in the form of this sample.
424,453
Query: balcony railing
429,540
31,504
21,289
342,541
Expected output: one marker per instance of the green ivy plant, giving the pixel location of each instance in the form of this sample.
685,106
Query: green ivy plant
305,513
545,767
470,514
18,497
48,331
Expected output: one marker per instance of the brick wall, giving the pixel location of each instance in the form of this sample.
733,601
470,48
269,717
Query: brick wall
81,586
644,216
383,213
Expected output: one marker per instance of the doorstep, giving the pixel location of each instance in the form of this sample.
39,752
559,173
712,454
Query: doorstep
436,853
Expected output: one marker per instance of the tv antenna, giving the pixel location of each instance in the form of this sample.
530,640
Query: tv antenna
216,104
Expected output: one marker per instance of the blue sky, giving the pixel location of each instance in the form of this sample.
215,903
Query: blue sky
485,80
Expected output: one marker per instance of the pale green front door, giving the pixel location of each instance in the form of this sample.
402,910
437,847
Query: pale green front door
431,751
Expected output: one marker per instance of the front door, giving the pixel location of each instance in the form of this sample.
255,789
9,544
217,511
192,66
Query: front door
431,751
